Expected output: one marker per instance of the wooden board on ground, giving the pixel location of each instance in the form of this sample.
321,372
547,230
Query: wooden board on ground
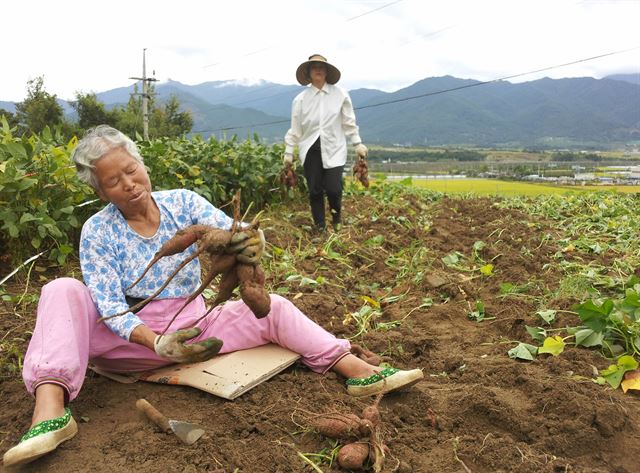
227,376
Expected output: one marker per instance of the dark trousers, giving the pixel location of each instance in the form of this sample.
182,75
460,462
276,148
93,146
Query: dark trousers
320,182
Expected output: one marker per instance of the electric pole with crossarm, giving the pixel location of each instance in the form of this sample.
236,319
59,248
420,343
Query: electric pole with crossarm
145,95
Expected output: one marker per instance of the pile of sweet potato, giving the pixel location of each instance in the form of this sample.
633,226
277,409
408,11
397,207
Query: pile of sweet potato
362,436
363,447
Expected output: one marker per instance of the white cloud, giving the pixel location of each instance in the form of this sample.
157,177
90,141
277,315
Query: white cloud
88,48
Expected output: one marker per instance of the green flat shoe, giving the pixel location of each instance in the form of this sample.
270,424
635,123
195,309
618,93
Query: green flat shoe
387,380
42,438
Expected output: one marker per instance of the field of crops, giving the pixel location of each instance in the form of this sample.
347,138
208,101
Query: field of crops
522,312
510,188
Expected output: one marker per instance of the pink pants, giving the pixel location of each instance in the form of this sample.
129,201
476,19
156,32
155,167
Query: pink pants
67,337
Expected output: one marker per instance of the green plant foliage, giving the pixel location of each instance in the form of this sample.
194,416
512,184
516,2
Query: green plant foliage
479,314
39,196
614,373
613,323
43,204
523,351
548,315
217,169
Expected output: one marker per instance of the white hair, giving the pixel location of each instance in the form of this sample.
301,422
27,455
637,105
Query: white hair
96,143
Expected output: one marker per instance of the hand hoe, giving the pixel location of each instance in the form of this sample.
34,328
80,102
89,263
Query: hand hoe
185,431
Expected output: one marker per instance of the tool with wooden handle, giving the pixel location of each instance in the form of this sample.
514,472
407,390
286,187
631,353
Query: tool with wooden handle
185,431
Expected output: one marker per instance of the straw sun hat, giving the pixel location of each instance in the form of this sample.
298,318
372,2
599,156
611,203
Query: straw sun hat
302,73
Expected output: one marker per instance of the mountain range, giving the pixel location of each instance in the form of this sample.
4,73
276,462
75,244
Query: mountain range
437,111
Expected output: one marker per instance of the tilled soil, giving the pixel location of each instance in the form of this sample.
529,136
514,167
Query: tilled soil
476,411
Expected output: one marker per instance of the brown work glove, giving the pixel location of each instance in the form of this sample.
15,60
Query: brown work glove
248,245
172,347
361,150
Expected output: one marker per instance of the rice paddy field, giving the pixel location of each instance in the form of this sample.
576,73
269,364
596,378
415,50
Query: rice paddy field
509,188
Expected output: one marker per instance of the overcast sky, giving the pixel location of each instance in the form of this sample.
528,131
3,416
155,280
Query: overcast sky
384,44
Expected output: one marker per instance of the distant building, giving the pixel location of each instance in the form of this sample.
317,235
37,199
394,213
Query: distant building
584,176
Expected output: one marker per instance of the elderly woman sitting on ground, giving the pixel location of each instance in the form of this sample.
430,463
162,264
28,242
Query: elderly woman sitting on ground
116,245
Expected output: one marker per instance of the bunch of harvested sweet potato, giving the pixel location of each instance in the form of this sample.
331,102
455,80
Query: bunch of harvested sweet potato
288,176
361,171
363,447
214,244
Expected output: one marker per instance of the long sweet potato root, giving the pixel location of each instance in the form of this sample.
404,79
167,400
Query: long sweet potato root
214,242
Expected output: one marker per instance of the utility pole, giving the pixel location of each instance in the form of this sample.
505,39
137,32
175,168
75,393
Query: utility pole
145,95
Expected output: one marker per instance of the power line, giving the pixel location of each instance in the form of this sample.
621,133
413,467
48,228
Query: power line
270,47
413,97
372,11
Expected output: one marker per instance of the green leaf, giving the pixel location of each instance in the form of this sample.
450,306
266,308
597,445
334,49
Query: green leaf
595,316
451,259
65,249
506,288
548,315
479,245
479,314
552,345
426,302
523,351
537,333
588,338
35,242
375,241
627,362
17,151
614,373
487,269
27,217
13,230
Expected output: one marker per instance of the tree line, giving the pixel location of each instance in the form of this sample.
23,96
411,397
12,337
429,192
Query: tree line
41,109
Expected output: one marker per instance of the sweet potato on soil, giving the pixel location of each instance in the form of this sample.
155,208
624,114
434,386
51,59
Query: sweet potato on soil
340,426
369,451
353,456
372,414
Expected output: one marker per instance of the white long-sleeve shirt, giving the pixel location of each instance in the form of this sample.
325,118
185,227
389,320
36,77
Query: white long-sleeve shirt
326,113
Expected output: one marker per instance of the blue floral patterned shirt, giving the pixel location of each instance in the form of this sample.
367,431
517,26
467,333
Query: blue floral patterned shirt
112,255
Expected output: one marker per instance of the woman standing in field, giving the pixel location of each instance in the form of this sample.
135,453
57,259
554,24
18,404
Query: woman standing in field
115,246
322,119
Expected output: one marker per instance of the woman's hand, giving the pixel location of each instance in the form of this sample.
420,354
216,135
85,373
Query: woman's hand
287,159
248,246
172,347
